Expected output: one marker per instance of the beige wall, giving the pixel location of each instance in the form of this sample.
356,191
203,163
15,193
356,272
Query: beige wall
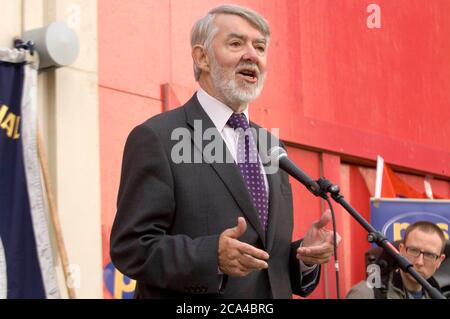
68,119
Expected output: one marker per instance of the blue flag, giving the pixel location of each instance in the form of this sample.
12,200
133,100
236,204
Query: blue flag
25,251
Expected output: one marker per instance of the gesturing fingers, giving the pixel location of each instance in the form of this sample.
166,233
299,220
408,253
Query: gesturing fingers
316,254
234,262
245,248
323,249
324,219
237,258
238,230
251,263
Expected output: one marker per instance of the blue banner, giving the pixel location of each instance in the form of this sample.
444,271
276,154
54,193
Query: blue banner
391,216
26,261
23,272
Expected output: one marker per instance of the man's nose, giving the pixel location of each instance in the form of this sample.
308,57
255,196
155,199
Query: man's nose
419,260
250,54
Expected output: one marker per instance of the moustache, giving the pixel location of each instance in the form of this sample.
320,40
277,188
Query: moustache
251,68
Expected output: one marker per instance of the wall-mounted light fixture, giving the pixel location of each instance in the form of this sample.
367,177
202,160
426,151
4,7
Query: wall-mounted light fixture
56,44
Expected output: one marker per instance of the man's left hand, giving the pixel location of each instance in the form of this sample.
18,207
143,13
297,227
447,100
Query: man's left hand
317,246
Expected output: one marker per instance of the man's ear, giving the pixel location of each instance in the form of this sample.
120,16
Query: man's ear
440,260
200,57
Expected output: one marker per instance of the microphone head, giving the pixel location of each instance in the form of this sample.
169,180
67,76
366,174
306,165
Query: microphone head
275,153
273,159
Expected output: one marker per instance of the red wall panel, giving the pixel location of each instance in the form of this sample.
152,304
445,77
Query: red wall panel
134,46
355,242
307,208
352,89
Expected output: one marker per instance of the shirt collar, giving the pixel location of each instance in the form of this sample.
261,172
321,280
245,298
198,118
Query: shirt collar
218,112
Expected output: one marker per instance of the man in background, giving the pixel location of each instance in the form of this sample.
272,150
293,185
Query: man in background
423,245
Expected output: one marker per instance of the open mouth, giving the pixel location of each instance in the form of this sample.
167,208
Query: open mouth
249,75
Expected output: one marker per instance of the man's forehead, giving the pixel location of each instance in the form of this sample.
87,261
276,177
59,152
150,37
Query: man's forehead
231,24
420,238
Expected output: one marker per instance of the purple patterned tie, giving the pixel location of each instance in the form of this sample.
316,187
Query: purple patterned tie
250,166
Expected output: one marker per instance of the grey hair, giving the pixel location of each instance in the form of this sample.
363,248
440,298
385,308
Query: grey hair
204,30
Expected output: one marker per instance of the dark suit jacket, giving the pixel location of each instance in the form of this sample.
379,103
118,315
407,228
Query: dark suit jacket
169,218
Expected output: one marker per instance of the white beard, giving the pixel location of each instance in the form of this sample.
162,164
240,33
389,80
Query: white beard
226,86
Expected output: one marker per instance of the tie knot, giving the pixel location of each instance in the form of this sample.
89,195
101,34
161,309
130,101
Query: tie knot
238,120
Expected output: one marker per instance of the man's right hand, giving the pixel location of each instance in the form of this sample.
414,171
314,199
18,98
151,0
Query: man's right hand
237,258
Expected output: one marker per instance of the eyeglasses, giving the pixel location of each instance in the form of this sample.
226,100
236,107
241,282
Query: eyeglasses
415,252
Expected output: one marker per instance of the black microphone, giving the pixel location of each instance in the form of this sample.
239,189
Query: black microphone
278,155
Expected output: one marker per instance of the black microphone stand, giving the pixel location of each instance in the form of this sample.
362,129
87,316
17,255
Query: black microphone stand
325,186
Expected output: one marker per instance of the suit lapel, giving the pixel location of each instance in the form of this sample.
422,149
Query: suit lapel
228,172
